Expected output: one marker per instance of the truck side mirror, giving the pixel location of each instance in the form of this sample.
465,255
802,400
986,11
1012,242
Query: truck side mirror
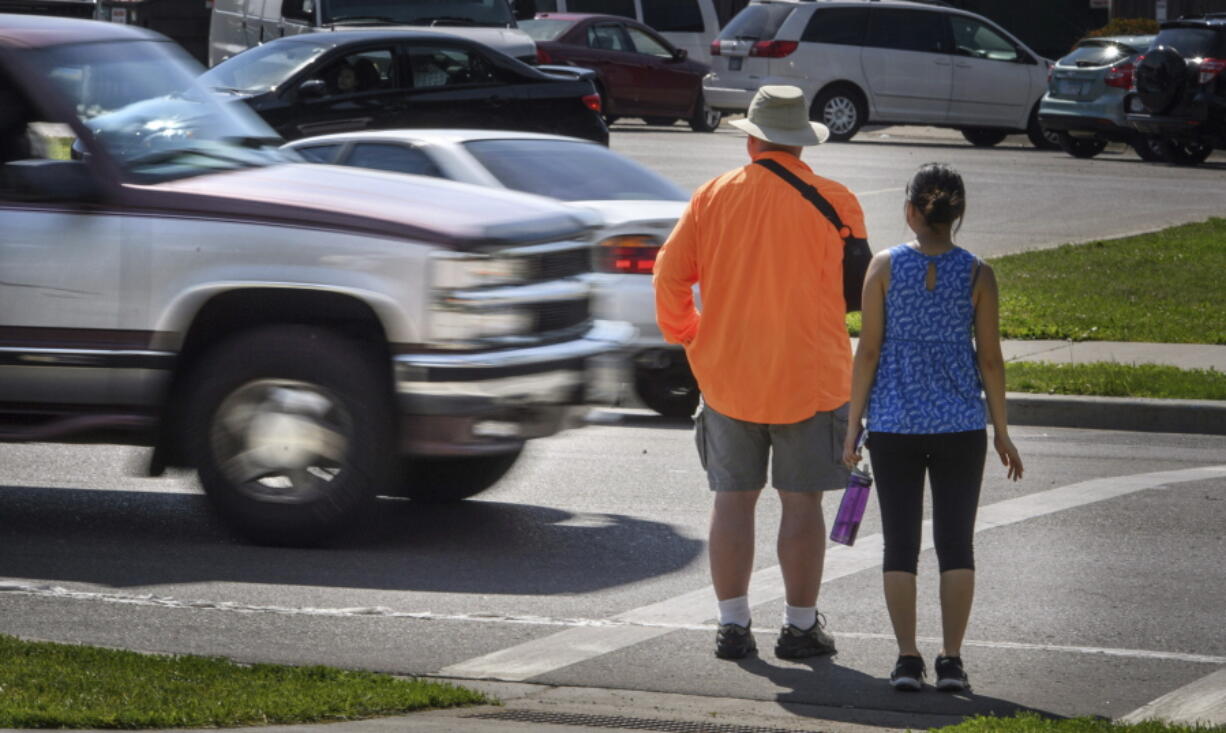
680,54
51,180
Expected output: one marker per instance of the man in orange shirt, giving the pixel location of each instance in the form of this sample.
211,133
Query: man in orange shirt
772,357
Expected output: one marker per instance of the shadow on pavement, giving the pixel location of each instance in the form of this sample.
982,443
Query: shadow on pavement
819,688
129,538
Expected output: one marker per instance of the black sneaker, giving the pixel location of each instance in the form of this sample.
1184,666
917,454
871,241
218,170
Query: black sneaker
908,674
734,642
950,675
796,643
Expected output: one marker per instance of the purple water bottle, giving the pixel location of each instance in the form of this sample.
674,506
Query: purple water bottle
851,508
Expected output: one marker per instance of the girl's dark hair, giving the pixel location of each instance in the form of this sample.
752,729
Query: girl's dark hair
937,191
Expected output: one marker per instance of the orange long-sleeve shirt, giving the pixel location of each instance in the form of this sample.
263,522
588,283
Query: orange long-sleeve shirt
770,345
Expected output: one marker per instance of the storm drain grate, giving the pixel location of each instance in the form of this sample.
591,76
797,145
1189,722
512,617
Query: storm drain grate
623,723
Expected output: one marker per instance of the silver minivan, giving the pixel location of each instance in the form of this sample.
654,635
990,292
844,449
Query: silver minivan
237,25
886,61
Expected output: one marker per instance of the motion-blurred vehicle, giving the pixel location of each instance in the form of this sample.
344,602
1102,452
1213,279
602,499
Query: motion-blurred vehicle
639,208
687,24
890,61
1180,89
305,337
640,73
1084,103
236,25
320,83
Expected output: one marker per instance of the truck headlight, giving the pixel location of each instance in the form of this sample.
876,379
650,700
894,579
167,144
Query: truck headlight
470,324
458,270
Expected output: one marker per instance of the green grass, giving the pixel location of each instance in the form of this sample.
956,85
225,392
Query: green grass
1108,379
1032,723
45,685
1164,287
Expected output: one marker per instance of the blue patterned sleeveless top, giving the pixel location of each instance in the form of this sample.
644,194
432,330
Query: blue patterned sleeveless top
927,377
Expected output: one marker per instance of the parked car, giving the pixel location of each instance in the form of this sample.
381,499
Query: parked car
318,83
1084,103
885,62
305,337
639,73
687,24
236,25
1180,94
639,208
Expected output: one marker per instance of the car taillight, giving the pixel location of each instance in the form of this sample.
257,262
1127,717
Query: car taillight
592,102
1120,75
543,57
628,254
1210,68
773,49
715,51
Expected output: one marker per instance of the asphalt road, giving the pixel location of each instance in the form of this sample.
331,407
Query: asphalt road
588,564
1019,198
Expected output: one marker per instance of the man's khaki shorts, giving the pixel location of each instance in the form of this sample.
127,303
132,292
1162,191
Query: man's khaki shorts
805,457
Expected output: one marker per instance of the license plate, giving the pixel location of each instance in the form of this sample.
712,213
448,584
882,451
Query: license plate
1071,87
119,15
734,64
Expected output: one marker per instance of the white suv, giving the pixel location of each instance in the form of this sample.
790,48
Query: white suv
882,61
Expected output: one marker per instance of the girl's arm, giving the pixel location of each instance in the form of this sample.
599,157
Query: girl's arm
872,332
992,366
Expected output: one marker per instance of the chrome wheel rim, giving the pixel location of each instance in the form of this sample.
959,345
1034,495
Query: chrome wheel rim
281,441
840,115
711,117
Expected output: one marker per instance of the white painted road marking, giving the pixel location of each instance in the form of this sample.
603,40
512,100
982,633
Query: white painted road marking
1203,701
535,658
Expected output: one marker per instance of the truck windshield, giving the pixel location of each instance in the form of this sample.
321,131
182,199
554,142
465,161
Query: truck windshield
143,104
419,12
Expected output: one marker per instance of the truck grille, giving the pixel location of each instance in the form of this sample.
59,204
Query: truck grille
560,264
560,315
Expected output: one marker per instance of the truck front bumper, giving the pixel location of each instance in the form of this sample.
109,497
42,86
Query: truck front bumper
490,402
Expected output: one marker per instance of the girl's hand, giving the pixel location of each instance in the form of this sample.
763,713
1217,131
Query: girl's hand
1009,457
851,456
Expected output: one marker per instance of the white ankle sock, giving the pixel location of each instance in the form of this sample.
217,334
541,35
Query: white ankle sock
735,611
802,617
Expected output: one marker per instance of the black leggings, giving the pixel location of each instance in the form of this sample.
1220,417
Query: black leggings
954,463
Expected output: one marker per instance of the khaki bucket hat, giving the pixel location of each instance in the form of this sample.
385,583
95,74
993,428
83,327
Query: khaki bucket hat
778,114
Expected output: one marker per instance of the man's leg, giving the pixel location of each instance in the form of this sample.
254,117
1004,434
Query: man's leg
731,542
802,546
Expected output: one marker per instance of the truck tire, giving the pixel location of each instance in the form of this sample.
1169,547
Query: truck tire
447,480
1081,147
1147,147
292,432
983,137
1185,152
670,394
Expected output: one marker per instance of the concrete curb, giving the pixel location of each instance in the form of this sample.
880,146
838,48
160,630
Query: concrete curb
1206,417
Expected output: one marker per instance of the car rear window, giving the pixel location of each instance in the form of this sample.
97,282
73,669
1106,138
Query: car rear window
676,16
757,22
624,8
571,171
1193,42
837,25
545,29
1097,53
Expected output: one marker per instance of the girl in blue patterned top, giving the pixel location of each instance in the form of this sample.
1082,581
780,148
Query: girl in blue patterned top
929,351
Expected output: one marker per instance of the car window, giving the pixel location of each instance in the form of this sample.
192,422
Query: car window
644,43
608,37
301,10
624,8
366,71
319,153
757,22
845,26
419,12
545,29
449,66
262,68
1193,42
562,169
673,16
1097,53
908,30
546,6
973,38
26,133
392,157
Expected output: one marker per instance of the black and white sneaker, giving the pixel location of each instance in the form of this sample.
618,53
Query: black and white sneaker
908,674
950,675
734,642
797,643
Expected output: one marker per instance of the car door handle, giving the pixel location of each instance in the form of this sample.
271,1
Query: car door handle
943,63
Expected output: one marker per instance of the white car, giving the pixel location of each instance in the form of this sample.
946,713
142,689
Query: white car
639,208
886,61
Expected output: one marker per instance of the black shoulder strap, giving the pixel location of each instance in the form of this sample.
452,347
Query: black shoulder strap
809,192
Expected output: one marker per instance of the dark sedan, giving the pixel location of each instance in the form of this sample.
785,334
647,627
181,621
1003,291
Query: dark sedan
640,73
319,83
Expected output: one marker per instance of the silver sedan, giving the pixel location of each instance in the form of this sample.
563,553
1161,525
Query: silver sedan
639,208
